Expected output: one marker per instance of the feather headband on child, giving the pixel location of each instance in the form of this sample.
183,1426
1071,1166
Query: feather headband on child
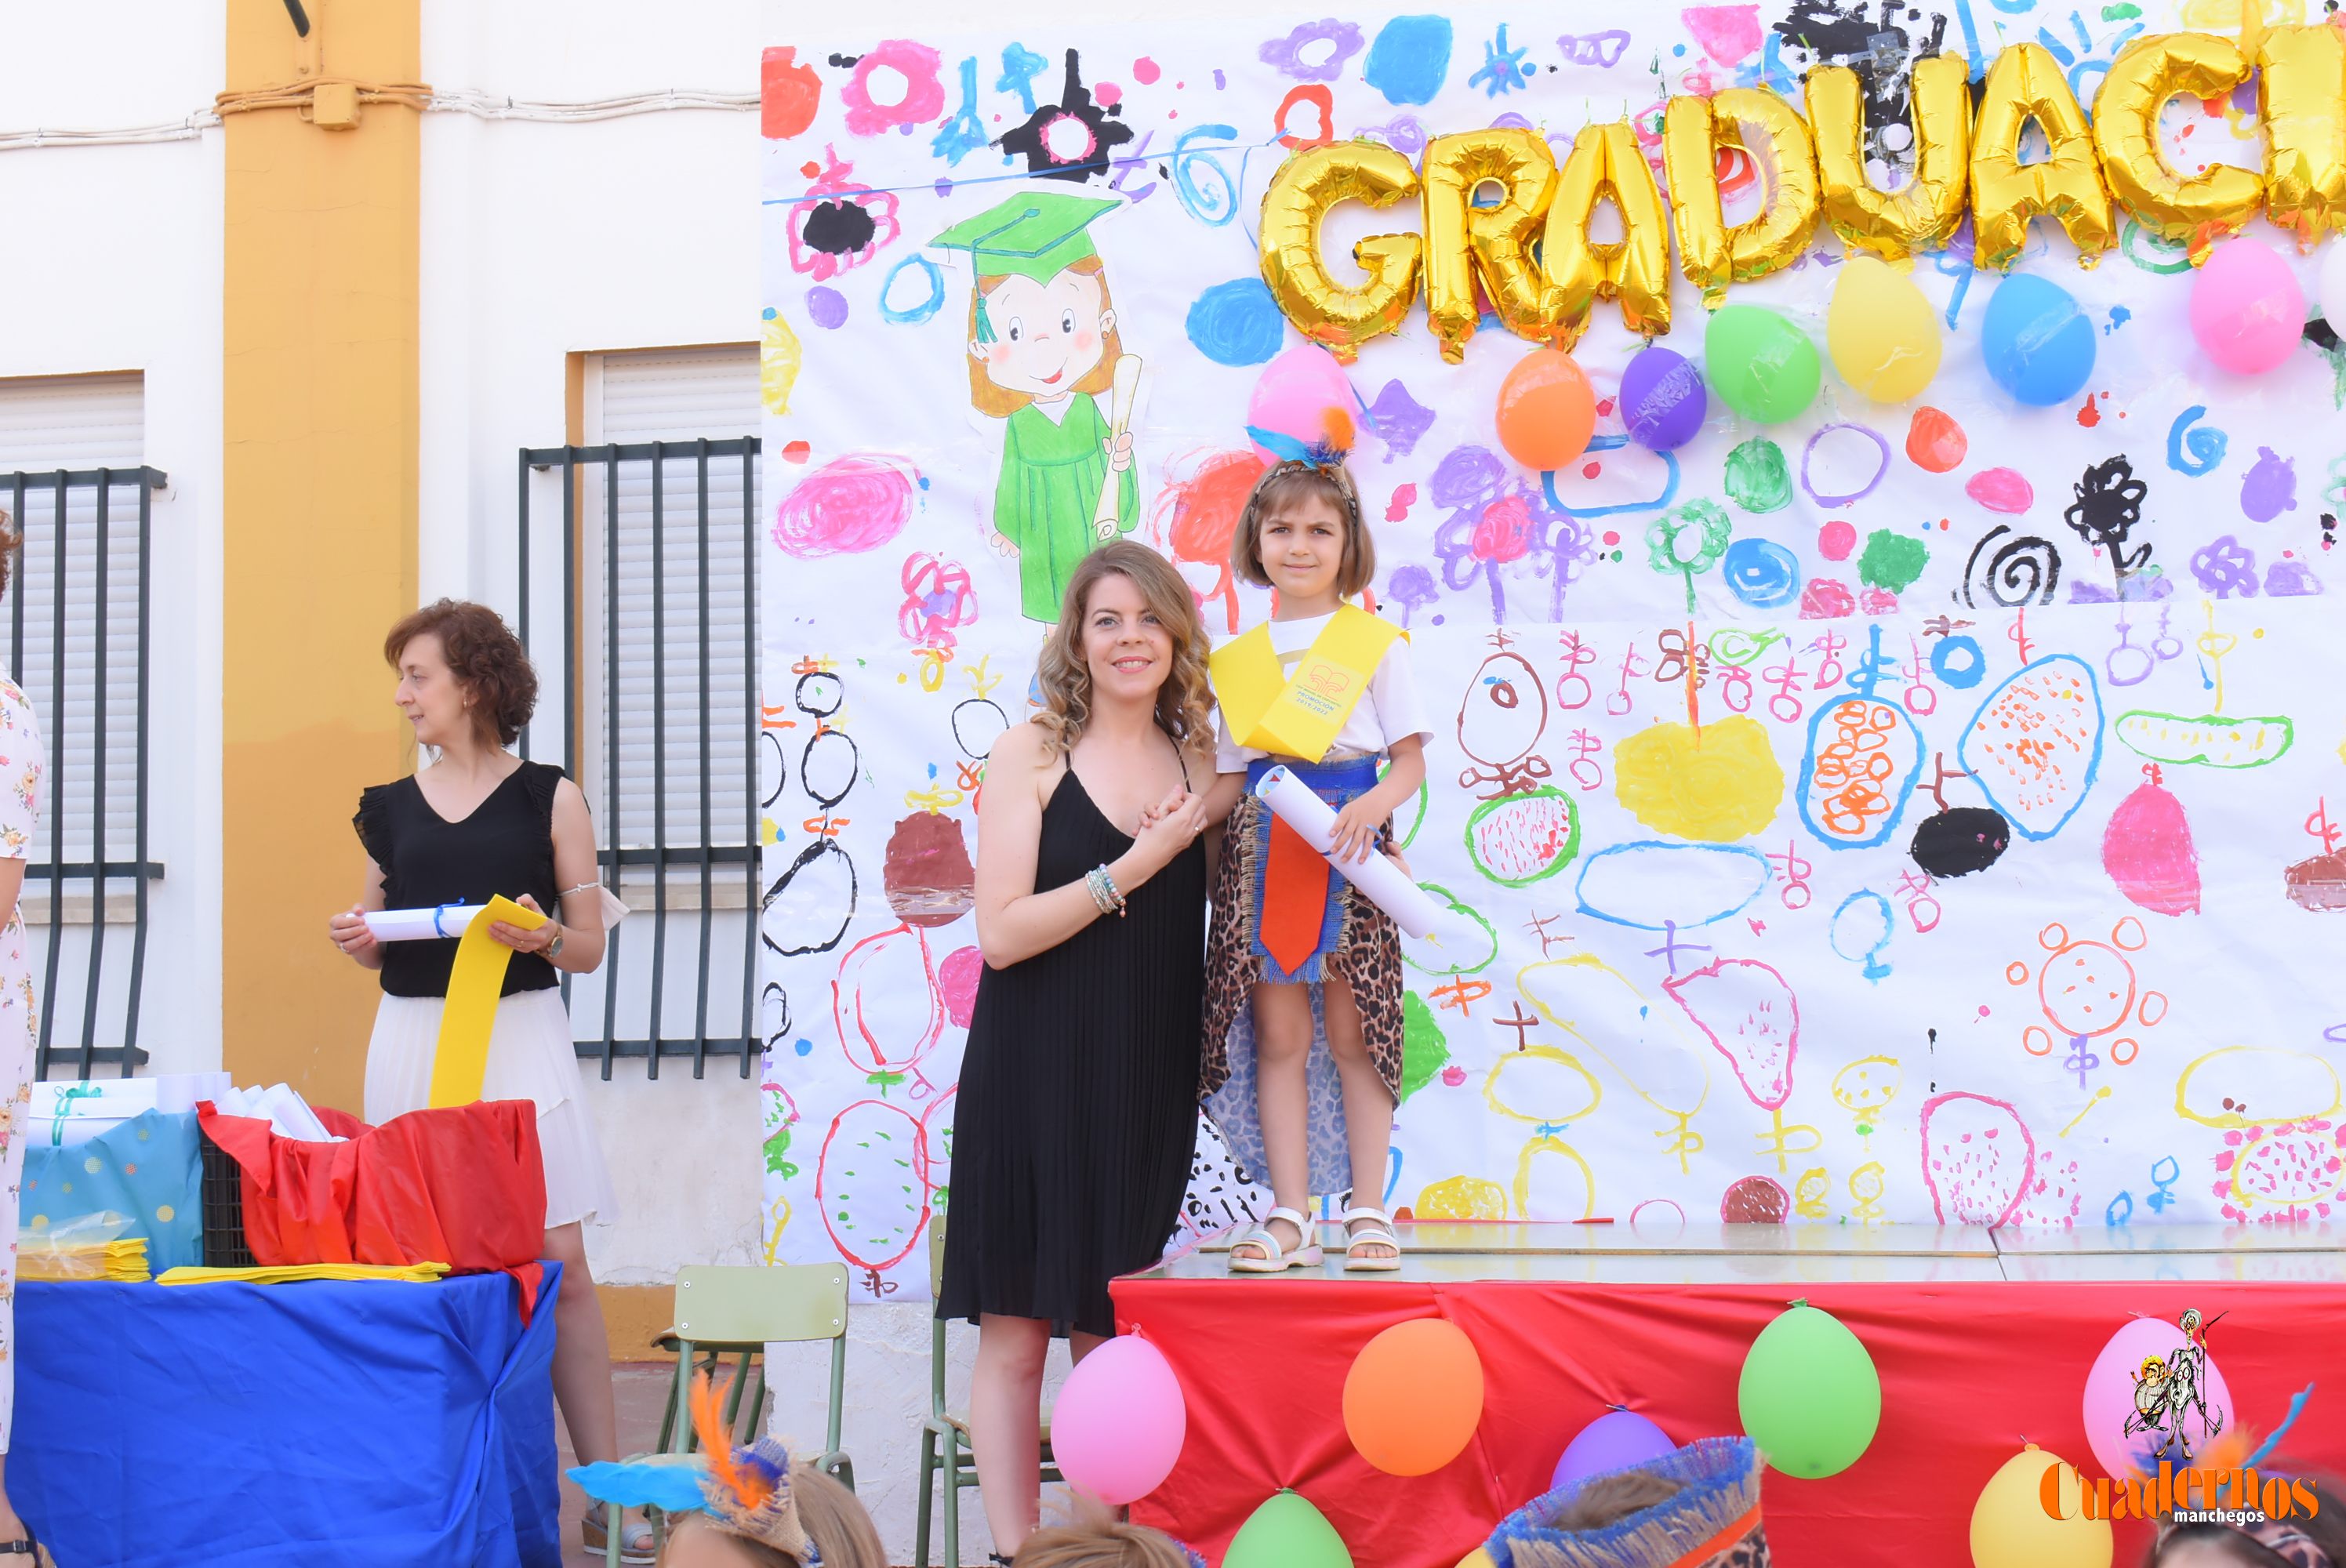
1330,449
1714,1514
747,1489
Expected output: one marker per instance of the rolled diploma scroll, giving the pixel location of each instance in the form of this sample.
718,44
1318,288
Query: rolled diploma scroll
1386,884
421,925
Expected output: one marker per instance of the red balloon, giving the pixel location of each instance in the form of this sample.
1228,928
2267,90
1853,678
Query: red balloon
1547,411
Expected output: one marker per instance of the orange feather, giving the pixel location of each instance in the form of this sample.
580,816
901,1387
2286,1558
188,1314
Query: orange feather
749,1488
1340,428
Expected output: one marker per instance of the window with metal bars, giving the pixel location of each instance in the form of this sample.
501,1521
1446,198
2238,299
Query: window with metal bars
75,623
639,573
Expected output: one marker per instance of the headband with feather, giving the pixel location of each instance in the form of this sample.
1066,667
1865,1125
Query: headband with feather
1713,1519
747,1489
1334,445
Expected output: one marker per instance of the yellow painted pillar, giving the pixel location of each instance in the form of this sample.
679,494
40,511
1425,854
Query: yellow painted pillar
319,422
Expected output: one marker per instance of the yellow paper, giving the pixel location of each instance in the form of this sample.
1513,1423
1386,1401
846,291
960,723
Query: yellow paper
1298,716
470,1013
290,1273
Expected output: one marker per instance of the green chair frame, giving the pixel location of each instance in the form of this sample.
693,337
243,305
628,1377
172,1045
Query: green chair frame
737,1311
945,1436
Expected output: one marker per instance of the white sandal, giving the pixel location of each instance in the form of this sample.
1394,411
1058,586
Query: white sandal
1376,1232
1276,1259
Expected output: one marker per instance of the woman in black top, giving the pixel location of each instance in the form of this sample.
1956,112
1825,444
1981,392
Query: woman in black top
477,823
1077,1110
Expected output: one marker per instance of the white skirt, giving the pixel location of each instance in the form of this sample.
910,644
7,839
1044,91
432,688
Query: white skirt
530,1058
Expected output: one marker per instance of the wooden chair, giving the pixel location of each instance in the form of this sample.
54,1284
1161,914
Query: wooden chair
945,1436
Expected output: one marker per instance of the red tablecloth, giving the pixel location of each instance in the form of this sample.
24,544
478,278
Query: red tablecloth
1969,1371
464,1185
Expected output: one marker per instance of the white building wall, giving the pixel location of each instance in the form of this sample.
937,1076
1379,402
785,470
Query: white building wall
112,262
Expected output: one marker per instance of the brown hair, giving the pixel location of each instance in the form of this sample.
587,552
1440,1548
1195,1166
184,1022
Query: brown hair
1095,1538
10,542
833,1520
1281,487
1610,1499
483,655
1000,402
2326,1530
1184,703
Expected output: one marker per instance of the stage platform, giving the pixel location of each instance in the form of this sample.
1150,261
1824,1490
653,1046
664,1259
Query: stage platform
1673,1254
1982,1338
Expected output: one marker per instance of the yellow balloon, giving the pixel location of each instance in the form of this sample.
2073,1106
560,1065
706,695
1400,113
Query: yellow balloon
1923,213
1478,1558
1305,186
2010,1527
2301,99
1635,270
1772,134
1463,241
2026,83
2194,211
1881,332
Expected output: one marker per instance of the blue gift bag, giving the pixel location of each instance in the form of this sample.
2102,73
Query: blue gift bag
150,1170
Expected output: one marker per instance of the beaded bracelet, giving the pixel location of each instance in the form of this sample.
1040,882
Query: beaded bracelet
1103,889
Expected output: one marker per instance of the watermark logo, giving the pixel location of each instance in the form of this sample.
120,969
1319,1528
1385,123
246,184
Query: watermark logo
2187,1495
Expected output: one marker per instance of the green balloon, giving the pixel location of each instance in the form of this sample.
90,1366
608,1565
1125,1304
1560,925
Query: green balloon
1762,366
1287,1531
1809,1396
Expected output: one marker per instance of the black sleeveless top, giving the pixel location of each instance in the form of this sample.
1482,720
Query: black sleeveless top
505,846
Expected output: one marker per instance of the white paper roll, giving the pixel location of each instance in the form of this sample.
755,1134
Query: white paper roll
421,925
1386,884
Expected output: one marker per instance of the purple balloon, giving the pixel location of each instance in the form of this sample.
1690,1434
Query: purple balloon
1617,1439
1662,399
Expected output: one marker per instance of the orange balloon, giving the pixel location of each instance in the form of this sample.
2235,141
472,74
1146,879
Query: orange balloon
1414,1394
1547,409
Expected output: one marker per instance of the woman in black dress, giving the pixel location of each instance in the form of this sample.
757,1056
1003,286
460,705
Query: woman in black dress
1077,1112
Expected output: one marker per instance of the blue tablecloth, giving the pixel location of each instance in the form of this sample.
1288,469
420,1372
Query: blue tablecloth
357,1424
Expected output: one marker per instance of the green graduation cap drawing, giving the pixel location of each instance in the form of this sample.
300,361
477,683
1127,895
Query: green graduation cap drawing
1037,234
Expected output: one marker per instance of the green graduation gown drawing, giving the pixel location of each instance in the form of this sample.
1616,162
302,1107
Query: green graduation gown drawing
1052,473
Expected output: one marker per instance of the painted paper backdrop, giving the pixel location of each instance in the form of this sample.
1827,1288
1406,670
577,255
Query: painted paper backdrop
1730,739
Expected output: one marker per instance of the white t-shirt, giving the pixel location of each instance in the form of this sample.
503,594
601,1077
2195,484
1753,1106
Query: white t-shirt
1390,711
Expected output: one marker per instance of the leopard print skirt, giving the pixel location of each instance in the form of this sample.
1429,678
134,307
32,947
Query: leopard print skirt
1365,956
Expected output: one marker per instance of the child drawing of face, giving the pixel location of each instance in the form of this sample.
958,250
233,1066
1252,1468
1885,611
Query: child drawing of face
1047,337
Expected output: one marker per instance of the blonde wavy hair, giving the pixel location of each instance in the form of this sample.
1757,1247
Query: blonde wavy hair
1185,703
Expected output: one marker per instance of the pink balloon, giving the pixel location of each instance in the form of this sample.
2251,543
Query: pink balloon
1304,396
2247,309
2109,1398
1118,1427
957,977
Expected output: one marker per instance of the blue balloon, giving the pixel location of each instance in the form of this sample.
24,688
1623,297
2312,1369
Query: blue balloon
2038,339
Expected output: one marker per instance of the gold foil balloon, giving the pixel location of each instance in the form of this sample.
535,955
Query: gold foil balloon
1463,241
2194,211
1922,214
1635,270
1774,136
2025,84
1881,332
2301,99
1305,186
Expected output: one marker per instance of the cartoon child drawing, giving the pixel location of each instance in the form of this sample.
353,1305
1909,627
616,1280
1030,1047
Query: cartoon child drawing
1043,345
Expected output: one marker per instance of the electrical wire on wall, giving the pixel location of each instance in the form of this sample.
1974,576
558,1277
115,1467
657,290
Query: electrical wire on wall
466,101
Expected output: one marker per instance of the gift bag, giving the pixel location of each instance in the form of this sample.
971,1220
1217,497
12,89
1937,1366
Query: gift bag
148,1169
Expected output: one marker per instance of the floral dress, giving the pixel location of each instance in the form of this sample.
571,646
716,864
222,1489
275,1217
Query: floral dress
20,795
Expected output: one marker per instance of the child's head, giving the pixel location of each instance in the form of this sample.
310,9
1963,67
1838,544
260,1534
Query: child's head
2300,1540
1095,1538
1610,1499
1302,524
835,1524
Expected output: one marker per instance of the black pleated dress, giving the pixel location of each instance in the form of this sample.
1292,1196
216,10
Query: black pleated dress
1077,1113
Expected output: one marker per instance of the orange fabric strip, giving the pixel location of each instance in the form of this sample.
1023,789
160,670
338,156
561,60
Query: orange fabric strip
1294,897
